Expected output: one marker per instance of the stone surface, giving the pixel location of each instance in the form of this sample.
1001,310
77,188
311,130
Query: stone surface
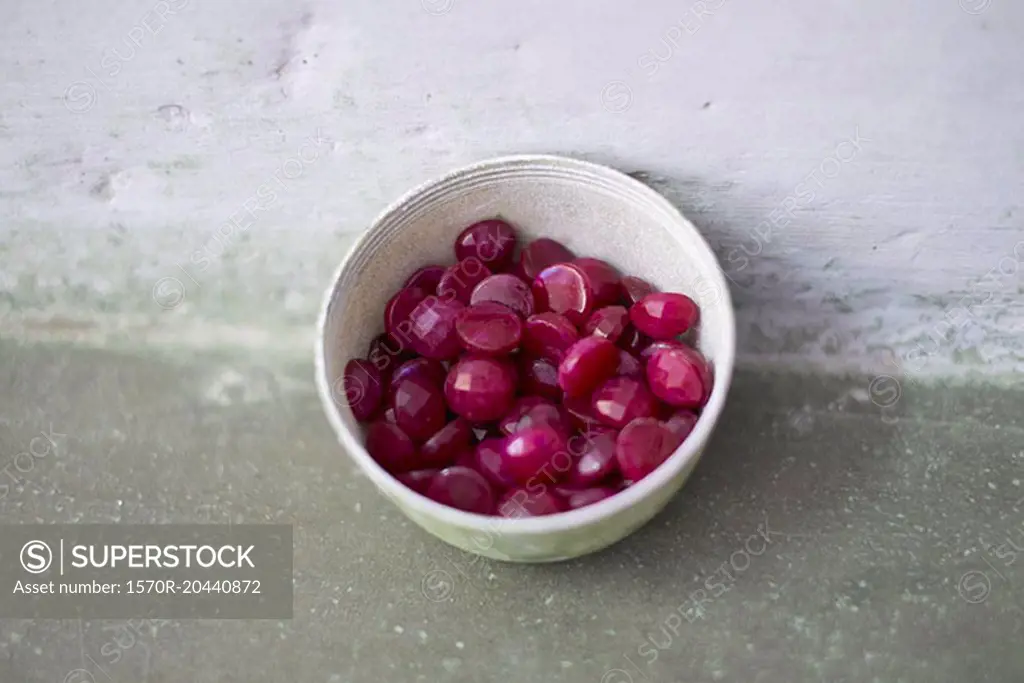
873,517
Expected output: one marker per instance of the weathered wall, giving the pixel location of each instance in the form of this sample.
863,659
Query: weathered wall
883,143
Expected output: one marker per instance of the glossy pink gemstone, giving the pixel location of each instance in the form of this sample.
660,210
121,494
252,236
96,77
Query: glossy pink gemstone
664,315
537,453
679,377
458,281
620,400
634,341
427,370
489,460
419,408
564,288
417,480
532,411
539,377
651,349
479,388
579,499
398,310
510,421
597,461
682,423
492,242
432,331
609,322
426,278
603,279
539,254
580,412
507,290
489,328
629,366
390,447
587,363
634,289
642,446
441,449
549,335
362,389
462,488
521,503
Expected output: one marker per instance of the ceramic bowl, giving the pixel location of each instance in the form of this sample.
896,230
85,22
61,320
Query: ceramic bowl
595,211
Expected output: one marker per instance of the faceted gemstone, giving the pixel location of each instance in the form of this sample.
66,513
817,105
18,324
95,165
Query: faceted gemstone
549,335
458,282
507,290
678,377
579,499
433,328
650,350
479,388
510,421
489,460
426,278
586,364
597,461
520,503
446,444
682,423
363,389
419,408
539,254
642,446
462,488
417,480
489,328
629,366
533,453
609,322
633,340
564,288
539,377
531,411
390,447
398,309
493,242
664,315
427,370
603,279
634,289
620,400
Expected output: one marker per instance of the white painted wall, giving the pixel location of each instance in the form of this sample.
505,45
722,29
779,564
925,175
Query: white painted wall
132,129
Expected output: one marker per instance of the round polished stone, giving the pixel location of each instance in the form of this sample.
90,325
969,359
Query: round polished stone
538,255
664,315
362,389
564,288
391,447
597,461
531,453
549,335
480,388
620,400
609,322
507,290
417,480
492,242
679,376
489,328
462,488
433,331
531,411
642,446
441,449
682,423
489,460
587,363
399,308
419,408
428,370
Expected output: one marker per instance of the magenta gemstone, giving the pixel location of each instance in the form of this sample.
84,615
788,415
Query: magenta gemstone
597,461
510,421
664,315
620,400
603,279
629,366
417,480
492,242
532,411
682,423
579,499
549,335
539,377
521,503
679,377
390,447
426,278
458,281
507,290
586,364
432,332
419,408
489,328
634,289
537,453
650,350
462,488
489,460
398,310
564,288
479,388
609,322
427,370
446,444
642,446
362,389
539,254
580,412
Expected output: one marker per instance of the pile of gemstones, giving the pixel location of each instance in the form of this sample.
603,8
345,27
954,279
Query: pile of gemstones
530,383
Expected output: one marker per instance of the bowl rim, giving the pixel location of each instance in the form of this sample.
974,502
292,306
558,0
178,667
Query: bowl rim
573,519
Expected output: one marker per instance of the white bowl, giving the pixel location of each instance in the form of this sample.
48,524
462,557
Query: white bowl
595,211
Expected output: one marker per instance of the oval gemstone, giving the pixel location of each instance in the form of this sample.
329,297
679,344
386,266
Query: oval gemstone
664,315
539,254
642,446
549,335
419,408
492,242
620,400
462,488
432,328
390,447
564,288
479,388
489,328
678,377
587,363
507,290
